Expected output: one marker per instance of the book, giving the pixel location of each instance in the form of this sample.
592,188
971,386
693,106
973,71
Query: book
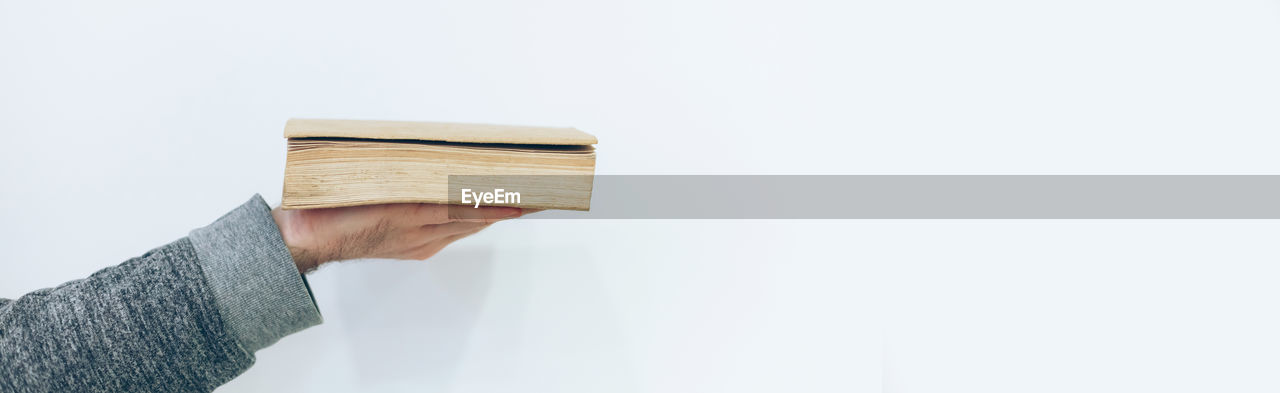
334,163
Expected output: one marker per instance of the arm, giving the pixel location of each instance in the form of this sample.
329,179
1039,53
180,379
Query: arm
186,316
189,315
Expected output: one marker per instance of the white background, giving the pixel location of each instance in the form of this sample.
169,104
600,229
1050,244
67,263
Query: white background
126,124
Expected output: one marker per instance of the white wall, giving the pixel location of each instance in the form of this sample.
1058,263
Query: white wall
126,124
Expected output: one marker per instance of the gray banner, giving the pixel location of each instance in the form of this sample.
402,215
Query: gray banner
924,197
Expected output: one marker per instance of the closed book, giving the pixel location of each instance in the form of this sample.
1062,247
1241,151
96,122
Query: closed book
333,163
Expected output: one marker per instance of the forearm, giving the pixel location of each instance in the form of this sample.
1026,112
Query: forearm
149,324
184,317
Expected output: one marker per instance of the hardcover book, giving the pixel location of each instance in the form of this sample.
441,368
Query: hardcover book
332,163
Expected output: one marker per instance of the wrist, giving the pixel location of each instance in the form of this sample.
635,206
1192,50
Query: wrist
297,239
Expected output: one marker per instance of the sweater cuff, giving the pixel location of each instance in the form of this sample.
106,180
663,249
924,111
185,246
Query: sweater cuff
255,283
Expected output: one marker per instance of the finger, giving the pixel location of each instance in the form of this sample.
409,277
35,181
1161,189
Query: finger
487,214
418,214
431,249
458,236
438,231
412,239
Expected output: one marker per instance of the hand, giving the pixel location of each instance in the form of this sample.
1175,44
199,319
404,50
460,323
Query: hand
394,231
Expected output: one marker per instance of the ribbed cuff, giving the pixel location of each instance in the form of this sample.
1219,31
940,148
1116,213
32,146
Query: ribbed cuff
255,283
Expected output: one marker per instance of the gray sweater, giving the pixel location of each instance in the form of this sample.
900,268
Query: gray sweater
185,317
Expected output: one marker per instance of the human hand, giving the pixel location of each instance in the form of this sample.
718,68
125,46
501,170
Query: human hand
393,231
